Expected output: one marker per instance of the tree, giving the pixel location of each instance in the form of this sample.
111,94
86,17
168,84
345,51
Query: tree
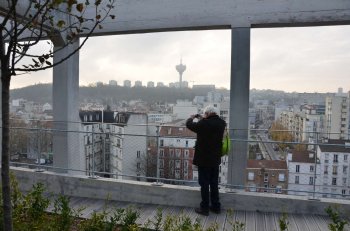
280,133
24,25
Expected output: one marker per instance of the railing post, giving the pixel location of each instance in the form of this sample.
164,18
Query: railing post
92,175
315,170
38,168
157,183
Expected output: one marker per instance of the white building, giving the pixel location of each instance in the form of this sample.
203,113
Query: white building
304,173
113,83
184,109
134,142
160,84
138,83
127,83
150,84
159,118
337,117
334,161
114,145
47,107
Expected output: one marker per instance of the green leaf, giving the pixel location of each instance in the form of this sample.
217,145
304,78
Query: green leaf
98,17
48,63
41,59
80,7
61,23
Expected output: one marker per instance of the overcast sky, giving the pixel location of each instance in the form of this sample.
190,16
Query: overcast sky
309,59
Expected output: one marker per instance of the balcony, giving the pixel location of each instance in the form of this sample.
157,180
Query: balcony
305,208
256,210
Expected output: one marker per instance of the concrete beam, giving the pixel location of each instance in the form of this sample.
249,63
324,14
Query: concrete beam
135,16
171,195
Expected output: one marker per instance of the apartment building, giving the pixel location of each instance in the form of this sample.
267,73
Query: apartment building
113,142
267,176
337,117
334,164
305,124
176,151
304,173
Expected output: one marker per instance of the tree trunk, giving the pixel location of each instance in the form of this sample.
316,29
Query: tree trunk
5,163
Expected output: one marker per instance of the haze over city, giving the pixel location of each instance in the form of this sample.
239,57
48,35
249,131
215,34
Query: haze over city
310,59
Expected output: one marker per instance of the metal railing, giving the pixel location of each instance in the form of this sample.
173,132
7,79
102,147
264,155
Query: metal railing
114,151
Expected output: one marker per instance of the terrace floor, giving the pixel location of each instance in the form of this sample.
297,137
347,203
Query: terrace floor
259,221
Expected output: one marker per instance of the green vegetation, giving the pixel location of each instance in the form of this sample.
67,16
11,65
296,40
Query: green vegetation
283,222
338,223
30,214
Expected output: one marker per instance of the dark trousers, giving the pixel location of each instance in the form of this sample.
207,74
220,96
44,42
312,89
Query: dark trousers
208,179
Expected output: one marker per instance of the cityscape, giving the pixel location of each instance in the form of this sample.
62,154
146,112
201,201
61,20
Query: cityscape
145,140
96,98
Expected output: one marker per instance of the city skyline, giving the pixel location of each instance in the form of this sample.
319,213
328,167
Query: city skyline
308,59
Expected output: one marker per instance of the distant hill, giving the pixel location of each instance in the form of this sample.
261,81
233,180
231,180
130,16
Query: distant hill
42,93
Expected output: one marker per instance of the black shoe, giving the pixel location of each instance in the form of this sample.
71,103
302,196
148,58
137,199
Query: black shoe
202,211
215,210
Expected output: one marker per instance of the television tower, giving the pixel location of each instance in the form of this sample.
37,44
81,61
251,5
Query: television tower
181,69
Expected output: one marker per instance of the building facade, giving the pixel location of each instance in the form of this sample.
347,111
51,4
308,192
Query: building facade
267,176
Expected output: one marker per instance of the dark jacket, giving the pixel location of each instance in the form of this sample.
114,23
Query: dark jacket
210,132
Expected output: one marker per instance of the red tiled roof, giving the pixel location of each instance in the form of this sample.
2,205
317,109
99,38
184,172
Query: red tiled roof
267,164
302,157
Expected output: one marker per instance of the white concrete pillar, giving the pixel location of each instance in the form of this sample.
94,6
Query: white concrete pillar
239,104
66,148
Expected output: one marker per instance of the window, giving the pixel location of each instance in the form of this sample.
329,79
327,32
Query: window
177,164
138,165
345,169
311,180
312,168
344,181
187,152
343,191
326,156
281,177
161,143
171,151
186,144
278,189
250,175
161,153
266,177
334,181
345,158
297,179
138,154
335,158
297,168
335,170
325,169
178,153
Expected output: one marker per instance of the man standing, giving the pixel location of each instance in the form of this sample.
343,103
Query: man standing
207,157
